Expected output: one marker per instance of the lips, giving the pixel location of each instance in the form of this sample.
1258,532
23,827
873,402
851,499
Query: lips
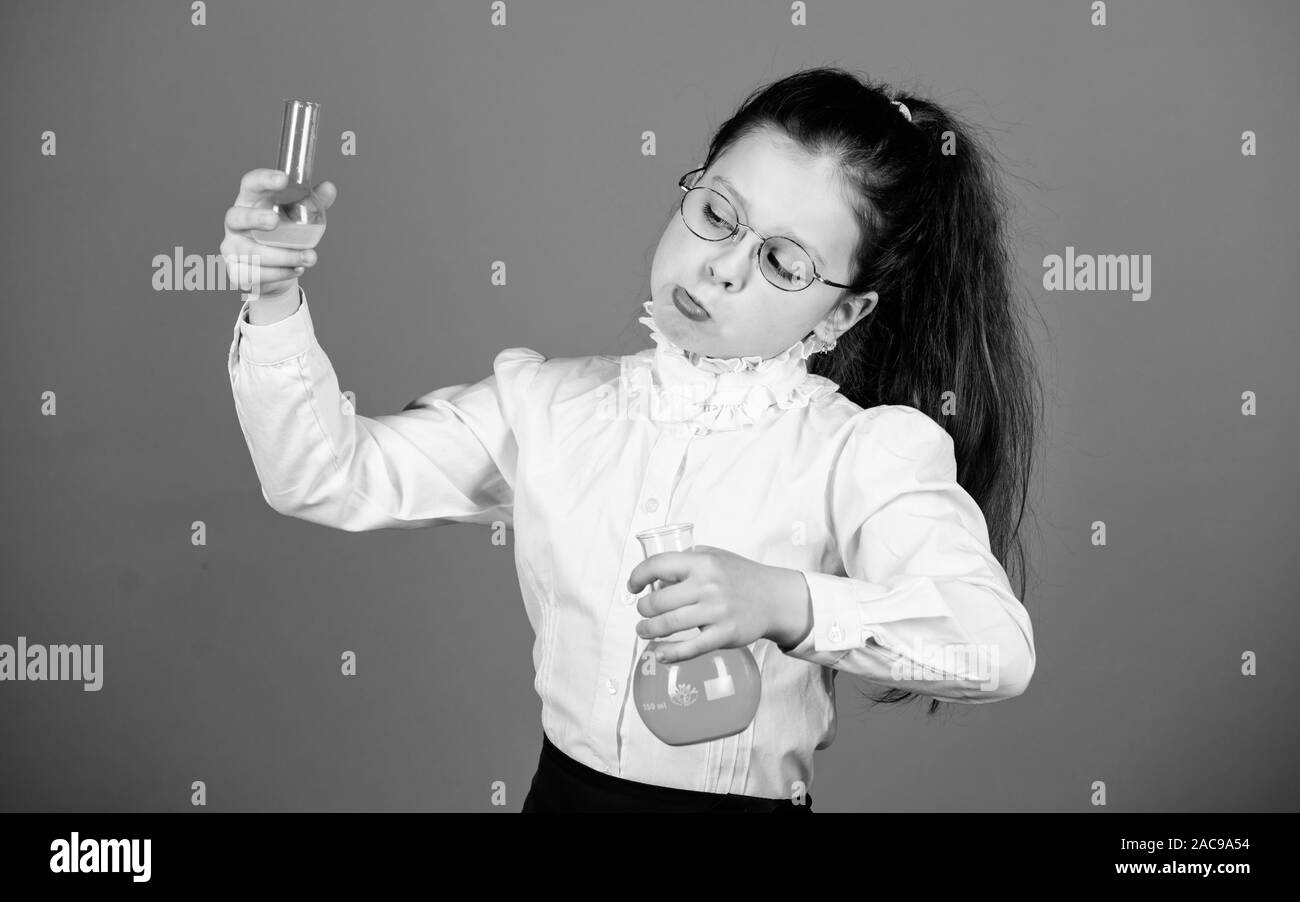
689,307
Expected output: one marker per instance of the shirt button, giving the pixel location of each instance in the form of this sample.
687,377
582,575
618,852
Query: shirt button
651,505
612,686
834,633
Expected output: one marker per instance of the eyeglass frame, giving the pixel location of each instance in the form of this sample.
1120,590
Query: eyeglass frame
681,210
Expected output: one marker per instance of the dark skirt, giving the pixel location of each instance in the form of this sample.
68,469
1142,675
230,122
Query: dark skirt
563,785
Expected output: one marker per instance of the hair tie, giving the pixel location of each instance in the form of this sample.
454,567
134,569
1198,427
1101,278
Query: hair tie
902,108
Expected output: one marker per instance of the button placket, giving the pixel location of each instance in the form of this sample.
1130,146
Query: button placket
620,638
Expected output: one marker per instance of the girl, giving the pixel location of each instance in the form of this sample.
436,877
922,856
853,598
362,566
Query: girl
838,393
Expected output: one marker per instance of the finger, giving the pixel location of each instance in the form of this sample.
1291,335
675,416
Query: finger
708,640
672,566
260,254
673,621
263,281
328,192
243,219
667,598
248,276
258,183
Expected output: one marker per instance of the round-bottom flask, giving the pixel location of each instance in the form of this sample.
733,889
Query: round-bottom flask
698,699
297,206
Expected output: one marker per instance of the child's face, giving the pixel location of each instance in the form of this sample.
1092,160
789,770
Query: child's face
783,193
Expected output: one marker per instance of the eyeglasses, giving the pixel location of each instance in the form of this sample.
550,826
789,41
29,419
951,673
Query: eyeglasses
711,216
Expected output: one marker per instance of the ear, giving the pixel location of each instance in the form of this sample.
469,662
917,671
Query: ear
846,313
868,302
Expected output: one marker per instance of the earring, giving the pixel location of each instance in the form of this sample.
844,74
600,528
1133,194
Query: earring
826,345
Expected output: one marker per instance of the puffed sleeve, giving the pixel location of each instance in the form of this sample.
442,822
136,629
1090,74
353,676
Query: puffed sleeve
921,603
448,457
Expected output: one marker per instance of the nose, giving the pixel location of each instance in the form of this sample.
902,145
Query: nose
739,265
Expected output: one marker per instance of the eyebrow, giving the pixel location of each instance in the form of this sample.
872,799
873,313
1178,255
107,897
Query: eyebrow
744,203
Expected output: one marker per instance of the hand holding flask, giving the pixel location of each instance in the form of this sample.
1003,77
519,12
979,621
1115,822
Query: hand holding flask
698,699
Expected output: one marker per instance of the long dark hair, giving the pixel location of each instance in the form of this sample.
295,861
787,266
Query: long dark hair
931,213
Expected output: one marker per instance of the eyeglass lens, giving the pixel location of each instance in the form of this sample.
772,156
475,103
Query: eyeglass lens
783,262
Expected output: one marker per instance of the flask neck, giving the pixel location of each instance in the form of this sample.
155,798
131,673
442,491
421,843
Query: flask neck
298,140
671,537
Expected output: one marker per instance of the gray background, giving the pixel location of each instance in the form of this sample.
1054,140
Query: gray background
523,144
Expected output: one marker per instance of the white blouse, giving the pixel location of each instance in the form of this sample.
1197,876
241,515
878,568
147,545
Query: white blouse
579,454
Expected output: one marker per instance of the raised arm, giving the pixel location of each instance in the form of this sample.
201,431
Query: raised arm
448,457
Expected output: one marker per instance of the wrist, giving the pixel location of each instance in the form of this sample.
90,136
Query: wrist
794,611
279,293
264,310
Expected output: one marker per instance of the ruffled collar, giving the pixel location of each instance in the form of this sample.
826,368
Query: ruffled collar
708,394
